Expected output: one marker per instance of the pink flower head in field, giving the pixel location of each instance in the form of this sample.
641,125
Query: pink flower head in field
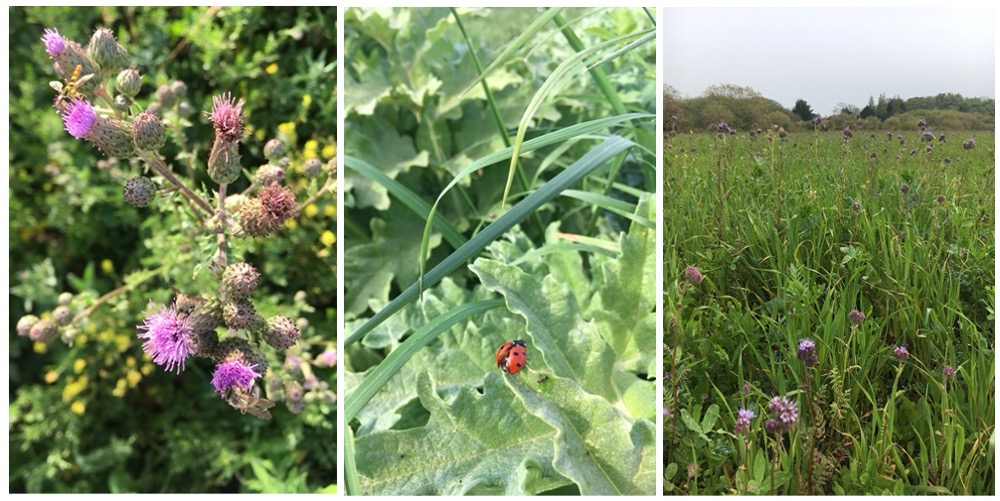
693,275
742,426
856,317
949,373
807,353
900,352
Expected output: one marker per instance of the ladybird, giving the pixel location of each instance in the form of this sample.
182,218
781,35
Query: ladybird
512,356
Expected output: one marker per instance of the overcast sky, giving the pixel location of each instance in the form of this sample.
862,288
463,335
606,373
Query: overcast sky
831,55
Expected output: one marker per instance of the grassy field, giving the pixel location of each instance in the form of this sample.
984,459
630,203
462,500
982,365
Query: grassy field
839,291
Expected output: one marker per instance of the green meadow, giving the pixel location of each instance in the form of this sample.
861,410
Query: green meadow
772,239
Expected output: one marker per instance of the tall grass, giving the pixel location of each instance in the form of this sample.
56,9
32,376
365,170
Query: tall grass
792,234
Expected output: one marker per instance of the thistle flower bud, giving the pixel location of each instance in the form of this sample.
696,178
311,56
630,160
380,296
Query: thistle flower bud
122,103
129,82
165,96
44,331
293,391
281,332
185,109
139,191
65,298
148,132
179,88
224,161
62,315
312,167
239,280
269,174
241,314
274,149
203,343
106,51
24,325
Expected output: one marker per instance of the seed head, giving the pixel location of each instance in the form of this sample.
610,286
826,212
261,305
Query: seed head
277,203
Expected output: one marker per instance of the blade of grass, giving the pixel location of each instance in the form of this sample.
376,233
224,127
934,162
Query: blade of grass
620,207
406,196
573,174
562,135
379,376
566,71
353,486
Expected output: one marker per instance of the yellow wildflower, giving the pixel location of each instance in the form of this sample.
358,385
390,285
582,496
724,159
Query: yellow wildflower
328,238
311,210
287,128
329,151
330,210
51,377
133,378
78,407
271,68
307,99
107,266
78,365
291,224
120,386
39,347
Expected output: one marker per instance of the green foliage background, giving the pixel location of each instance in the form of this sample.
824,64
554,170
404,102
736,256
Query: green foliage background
96,416
574,275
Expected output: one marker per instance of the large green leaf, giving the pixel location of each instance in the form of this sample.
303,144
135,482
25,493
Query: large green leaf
623,306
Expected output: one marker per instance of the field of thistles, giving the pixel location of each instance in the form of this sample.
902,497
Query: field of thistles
829,312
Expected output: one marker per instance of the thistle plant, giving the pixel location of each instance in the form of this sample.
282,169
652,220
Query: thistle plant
218,318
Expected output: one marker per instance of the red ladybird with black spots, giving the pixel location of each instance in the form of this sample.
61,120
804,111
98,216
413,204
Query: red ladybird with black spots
512,356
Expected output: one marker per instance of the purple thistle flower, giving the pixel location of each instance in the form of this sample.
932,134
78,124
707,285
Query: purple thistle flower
856,317
969,144
233,373
817,120
773,426
848,132
807,353
79,118
54,42
921,123
166,338
949,373
927,136
941,139
693,275
666,412
900,352
905,188
743,421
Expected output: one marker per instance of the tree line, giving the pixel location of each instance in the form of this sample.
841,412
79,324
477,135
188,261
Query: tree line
743,108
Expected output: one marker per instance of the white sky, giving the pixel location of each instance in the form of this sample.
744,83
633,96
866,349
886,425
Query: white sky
831,55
